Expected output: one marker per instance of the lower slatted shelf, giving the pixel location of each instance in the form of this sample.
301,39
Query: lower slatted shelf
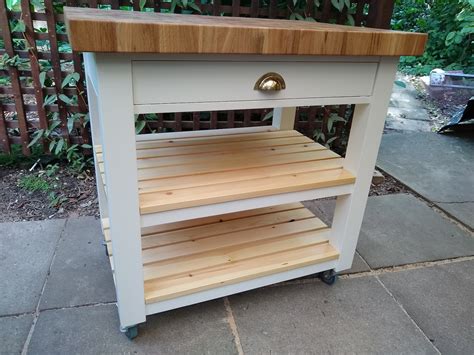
186,257
190,256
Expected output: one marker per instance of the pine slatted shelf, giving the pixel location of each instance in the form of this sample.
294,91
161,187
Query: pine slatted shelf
193,216
185,257
188,172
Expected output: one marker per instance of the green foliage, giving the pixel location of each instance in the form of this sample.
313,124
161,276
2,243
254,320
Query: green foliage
15,61
51,169
298,12
56,200
450,27
328,137
34,183
16,157
58,146
186,5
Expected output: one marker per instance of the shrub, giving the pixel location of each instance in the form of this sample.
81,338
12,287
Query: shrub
450,26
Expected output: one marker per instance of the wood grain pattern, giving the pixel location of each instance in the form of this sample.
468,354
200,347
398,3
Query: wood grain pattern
182,259
188,172
92,30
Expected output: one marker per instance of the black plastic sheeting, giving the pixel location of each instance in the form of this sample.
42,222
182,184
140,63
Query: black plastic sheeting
463,120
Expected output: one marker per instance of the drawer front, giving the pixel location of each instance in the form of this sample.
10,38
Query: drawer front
163,82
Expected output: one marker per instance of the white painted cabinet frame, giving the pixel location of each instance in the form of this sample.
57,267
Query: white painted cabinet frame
120,86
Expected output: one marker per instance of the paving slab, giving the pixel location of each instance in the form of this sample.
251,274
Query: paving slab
13,333
440,300
80,273
323,209
405,111
463,211
26,250
400,229
438,167
352,316
398,121
200,329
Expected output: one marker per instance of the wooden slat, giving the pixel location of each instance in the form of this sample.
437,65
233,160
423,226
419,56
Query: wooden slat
194,265
185,158
202,174
197,246
217,135
229,155
240,162
215,139
159,290
220,147
220,253
269,172
169,227
92,30
35,66
201,232
13,71
205,195
56,66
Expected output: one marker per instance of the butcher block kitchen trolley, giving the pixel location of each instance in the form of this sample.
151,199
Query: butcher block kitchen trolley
193,216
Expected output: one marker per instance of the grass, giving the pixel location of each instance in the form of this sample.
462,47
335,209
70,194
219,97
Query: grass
34,183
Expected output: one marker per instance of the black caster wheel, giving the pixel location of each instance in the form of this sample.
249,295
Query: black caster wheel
328,277
131,332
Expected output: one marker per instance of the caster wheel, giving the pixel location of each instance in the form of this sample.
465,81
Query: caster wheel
131,332
329,277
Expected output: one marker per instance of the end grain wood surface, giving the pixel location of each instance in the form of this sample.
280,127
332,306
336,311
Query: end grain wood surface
93,30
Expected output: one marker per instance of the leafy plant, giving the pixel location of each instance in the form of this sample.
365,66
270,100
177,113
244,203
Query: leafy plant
184,5
51,169
449,24
328,137
34,183
15,61
56,200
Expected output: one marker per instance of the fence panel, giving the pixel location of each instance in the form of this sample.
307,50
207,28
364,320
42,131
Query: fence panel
43,98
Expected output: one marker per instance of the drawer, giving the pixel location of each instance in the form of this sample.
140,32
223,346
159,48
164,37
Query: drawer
164,82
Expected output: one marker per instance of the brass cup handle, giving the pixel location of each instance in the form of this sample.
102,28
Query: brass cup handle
270,82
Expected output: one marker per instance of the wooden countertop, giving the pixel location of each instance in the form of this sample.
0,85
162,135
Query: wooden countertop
92,30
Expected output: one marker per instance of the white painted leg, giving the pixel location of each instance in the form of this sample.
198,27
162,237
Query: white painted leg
95,130
284,118
362,149
119,154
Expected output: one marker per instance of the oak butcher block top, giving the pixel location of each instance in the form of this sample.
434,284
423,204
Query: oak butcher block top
92,30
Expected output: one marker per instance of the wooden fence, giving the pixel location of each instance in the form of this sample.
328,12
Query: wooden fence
41,84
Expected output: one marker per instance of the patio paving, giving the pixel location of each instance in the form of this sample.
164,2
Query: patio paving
357,314
13,333
353,316
406,112
440,300
438,167
197,329
26,250
401,229
80,268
